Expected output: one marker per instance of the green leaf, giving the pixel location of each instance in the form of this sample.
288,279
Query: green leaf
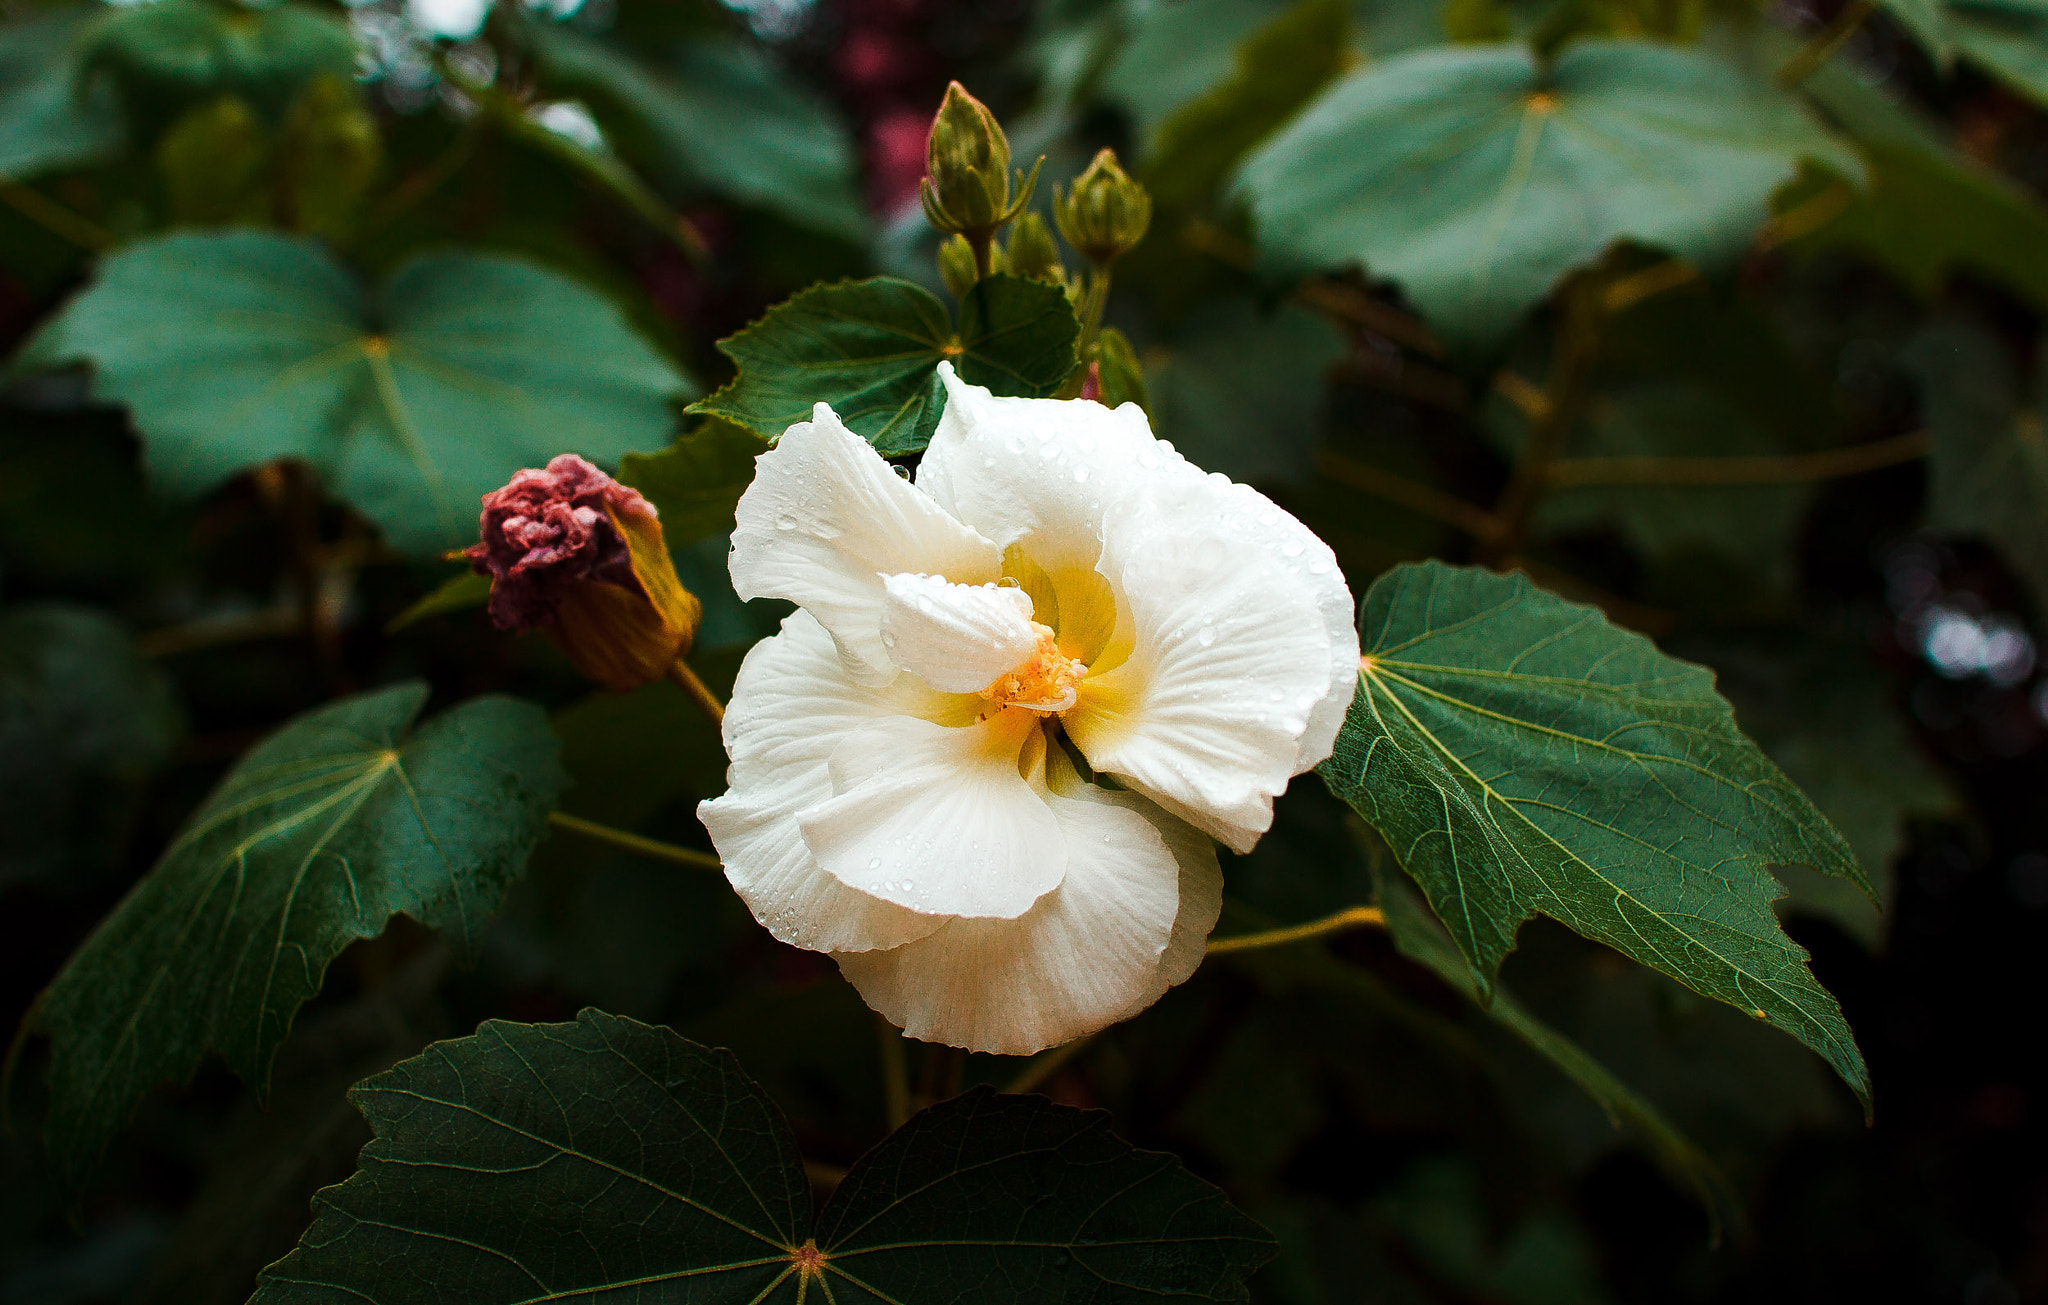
324,831
871,349
551,1161
1989,467
1523,757
1240,390
1478,178
1420,937
51,114
84,719
721,115
1176,53
1929,211
1280,67
1121,374
175,53
458,593
696,482
411,401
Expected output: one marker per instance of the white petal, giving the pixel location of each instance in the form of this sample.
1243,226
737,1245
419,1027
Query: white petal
940,820
1140,896
1231,655
1043,470
791,705
825,519
956,638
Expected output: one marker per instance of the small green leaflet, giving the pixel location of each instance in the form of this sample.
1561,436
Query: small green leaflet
411,401
1421,938
871,349
722,116
171,54
533,1162
325,830
1478,178
51,114
1990,459
1523,756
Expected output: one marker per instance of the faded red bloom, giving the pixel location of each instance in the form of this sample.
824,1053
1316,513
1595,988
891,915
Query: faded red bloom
546,532
573,552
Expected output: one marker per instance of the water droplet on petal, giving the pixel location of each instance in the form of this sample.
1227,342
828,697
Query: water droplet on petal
902,472
785,522
1206,636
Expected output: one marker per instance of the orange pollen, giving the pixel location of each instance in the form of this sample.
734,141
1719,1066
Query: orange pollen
1047,682
807,1258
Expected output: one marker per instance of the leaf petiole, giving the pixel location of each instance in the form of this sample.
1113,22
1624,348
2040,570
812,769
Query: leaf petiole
1355,917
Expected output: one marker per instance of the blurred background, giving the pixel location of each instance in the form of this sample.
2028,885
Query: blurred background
696,163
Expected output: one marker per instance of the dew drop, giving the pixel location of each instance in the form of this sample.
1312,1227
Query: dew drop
874,863
902,472
785,522
1293,548
1080,475
1206,635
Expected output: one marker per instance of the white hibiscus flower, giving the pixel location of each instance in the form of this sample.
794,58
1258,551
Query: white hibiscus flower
982,765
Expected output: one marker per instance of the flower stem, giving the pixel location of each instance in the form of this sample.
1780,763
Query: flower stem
1578,341
1787,469
895,1073
1047,1063
699,692
1353,918
653,847
1823,44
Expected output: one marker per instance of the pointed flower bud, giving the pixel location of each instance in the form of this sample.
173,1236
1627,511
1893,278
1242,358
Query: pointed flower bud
573,552
1106,214
1031,252
967,185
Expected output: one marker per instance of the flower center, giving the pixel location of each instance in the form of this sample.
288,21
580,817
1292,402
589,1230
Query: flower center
1046,682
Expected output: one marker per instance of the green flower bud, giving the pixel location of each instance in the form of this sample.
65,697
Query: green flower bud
1106,214
1031,252
956,265
967,186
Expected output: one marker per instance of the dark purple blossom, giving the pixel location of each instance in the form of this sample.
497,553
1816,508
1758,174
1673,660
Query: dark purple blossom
547,531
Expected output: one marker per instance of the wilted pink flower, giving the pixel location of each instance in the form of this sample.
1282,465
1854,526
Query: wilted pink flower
572,551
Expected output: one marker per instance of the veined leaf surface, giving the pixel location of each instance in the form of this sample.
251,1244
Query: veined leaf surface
871,349
1523,756
608,1158
324,831
412,401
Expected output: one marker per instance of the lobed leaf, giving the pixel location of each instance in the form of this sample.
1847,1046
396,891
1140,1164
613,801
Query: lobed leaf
343,818
52,115
412,401
609,1158
1479,176
871,348
1523,756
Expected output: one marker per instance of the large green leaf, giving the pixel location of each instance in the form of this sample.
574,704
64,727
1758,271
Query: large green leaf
573,1161
871,349
84,719
1523,756
324,831
720,115
411,401
1990,459
1477,177
51,114
696,482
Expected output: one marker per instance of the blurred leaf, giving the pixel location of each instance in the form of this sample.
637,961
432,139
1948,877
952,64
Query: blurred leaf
1478,178
412,401
1543,1258
871,349
1240,391
458,593
579,1159
320,834
328,155
720,113
84,720
1176,53
1121,374
1523,756
1821,708
695,482
1989,469
175,53
1279,68
51,114
1421,938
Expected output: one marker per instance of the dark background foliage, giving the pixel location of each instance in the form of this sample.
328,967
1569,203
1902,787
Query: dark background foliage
1398,1144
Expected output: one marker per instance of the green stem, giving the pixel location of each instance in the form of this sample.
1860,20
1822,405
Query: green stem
1823,44
620,838
895,1073
1047,1063
1578,340
1094,298
1355,917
